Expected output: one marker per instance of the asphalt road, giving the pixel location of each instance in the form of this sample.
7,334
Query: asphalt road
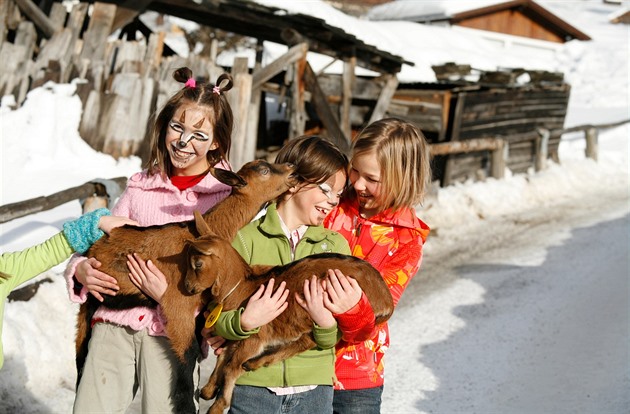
550,338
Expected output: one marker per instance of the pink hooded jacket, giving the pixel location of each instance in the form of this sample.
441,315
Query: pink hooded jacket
151,200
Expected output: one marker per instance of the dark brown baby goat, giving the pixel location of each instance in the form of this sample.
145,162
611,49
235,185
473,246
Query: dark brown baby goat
256,183
215,265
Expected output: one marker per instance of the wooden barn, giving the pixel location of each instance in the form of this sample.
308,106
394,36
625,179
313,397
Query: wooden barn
122,82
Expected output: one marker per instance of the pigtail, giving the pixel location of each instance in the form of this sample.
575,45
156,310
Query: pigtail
224,83
183,75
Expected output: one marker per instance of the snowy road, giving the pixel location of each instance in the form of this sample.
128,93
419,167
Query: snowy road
529,318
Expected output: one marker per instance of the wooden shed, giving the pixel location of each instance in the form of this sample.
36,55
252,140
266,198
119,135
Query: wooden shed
494,107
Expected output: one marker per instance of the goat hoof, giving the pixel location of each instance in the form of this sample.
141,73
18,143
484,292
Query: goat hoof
217,408
208,392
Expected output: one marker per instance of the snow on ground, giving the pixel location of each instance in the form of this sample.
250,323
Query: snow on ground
515,221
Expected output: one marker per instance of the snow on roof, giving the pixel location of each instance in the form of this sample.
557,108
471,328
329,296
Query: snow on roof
412,9
424,45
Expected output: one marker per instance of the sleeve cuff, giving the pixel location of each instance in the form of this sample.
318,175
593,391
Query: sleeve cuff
84,231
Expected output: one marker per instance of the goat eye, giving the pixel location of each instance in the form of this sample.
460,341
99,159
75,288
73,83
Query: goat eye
198,264
264,171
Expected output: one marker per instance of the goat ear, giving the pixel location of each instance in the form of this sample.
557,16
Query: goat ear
204,247
202,226
228,177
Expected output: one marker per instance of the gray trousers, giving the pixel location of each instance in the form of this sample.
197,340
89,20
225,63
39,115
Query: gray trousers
121,362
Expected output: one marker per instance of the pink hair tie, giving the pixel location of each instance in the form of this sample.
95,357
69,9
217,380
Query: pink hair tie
216,90
191,83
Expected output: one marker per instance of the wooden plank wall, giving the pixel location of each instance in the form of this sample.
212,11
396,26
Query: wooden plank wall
511,22
511,114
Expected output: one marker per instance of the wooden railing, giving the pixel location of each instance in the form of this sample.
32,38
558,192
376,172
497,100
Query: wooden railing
499,147
35,205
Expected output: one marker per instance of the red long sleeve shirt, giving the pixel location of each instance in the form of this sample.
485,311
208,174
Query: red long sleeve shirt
392,242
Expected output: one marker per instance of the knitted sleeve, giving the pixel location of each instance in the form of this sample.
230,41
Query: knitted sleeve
84,231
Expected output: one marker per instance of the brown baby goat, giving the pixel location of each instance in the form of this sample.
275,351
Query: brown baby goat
215,265
256,183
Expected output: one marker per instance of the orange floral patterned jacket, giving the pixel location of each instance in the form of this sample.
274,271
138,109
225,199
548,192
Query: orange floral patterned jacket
391,242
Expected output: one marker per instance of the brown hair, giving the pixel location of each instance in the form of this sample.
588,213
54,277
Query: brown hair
402,153
203,94
316,159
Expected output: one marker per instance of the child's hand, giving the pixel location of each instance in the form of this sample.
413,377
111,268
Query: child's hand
264,306
216,343
108,223
313,303
343,292
147,277
94,280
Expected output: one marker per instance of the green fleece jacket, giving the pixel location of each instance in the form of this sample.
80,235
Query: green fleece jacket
20,267
263,242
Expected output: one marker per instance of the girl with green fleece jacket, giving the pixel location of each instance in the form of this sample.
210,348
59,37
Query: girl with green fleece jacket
77,236
290,230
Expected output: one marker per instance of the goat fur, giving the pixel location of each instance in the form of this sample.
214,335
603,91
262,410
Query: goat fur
255,184
216,266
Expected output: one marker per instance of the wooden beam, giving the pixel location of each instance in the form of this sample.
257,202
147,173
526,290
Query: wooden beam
24,208
384,98
318,99
498,148
37,16
127,11
294,54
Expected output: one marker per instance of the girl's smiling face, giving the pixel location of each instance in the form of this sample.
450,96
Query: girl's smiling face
365,177
308,204
189,138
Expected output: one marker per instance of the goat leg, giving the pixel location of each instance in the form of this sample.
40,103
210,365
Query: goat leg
183,392
84,333
240,352
209,391
179,312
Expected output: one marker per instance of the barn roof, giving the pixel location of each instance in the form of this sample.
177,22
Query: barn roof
275,24
455,11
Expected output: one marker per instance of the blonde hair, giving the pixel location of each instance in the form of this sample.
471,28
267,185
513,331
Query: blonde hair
402,153
211,96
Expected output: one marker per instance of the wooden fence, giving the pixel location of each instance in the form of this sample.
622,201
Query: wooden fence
497,147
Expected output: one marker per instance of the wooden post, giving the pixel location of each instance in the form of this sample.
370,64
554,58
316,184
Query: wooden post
542,148
298,112
346,96
591,143
253,115
457,122
498,159
240,98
